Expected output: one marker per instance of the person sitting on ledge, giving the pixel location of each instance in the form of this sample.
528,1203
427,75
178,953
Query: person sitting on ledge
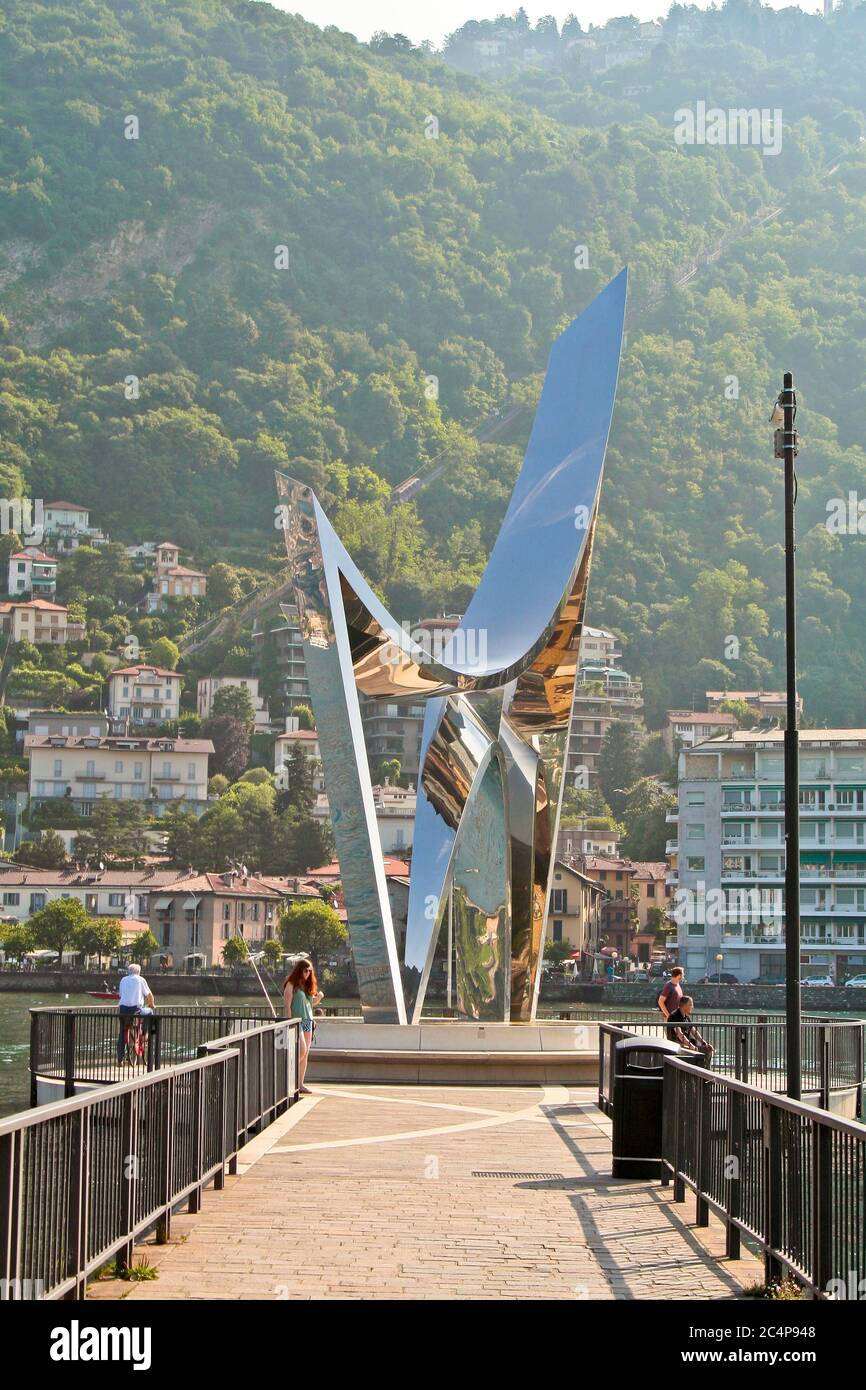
683,1029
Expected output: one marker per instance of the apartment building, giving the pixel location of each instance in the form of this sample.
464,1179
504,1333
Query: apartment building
770,704
122,893
80,722
208,687
727,860
575,908
395,815
603,695
194,916
619,920
83,768
278,640
294,737
31,571
144,694
575,840
39,621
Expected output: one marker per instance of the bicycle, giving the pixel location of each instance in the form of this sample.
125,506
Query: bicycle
135,1040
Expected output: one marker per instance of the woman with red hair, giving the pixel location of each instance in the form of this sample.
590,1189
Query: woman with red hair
300,992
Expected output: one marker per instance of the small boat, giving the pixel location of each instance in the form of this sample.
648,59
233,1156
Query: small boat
103,993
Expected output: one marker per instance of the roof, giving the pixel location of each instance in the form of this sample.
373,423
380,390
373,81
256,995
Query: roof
692,717
310,735
68,506
41,603
135,670
21,876
778,736
120,743
654,869
746,695
576,873
600,861
161,545
31,554
213,883
184,573
394,868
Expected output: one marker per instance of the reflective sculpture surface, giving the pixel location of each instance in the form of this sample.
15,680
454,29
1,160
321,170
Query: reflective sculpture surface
499,699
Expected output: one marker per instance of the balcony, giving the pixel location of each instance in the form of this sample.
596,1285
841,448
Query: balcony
165,777
89,776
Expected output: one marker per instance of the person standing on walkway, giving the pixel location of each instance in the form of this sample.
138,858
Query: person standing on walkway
670,997
300,993
134,997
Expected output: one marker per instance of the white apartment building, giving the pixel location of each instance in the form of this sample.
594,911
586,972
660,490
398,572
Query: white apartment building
40,622
144,694
209,685
395,815
82,769
727,862
687,727
284,744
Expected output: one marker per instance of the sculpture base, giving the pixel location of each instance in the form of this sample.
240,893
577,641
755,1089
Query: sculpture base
455,1054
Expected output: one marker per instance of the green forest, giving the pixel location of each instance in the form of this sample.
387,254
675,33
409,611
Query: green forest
231,241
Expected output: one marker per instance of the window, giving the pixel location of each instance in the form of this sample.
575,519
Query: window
166,769
118,765
227,911
694,798
166,934
254,912
58,767
190,772
115,900
696,863
557,930
11,899
37,902
90,769
559,900
650,890
695,831
137,771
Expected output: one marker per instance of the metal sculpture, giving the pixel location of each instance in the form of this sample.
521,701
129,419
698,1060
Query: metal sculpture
499,699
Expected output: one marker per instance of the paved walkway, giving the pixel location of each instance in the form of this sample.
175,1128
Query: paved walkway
436,1192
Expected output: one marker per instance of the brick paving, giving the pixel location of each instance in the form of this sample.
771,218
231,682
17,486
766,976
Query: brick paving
370,1192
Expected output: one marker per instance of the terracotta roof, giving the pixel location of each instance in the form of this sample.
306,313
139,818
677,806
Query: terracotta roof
67,506
654,869
597,861
161,545
33,555
135,670
41,603
183,573
213,883
309,734
394,868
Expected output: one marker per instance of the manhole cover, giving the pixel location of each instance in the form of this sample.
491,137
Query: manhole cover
480,1173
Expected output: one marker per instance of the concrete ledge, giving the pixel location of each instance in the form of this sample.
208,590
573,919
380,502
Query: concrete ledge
453,1067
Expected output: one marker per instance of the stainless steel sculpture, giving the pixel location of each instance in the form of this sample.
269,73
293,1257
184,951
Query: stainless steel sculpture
499,699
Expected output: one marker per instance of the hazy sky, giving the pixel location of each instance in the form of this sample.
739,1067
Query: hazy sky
419,20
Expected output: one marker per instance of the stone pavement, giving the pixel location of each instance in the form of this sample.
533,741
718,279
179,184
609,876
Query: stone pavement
418,1192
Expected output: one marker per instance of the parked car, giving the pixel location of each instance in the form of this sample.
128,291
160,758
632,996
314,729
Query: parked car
818,980
718,979
856,982
766,980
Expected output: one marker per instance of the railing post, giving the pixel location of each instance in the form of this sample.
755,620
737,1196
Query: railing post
772,1189
679,1185
733,1182
154,1059
11,1200
128,1176
76,1229
822,1204
69,1054
219,1181
34,1058
824,1066
197,1106
168,1174
761,1045
702,1211
860,1070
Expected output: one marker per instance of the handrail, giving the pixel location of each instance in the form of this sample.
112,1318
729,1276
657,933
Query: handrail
83,1178
786,1174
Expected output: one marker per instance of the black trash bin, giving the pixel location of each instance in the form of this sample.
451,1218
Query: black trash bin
637,1103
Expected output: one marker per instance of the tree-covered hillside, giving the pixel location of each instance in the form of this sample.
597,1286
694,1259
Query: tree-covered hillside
341,261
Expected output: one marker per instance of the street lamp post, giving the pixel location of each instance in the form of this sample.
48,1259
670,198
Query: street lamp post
719,959
786,449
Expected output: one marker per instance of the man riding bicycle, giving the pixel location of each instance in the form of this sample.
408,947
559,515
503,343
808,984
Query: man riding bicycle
135,999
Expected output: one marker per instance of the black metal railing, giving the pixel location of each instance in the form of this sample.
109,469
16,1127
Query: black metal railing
789,1176
80,1044
82,1179
832,1055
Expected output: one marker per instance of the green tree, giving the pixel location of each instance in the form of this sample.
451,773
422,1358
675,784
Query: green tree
17,940
236,701
163,652
304,716
235,951
60,925
272,952
48,852
645,818
619,764
101,937
312,927
144,946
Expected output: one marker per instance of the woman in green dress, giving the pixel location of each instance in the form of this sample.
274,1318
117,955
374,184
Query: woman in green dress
301,993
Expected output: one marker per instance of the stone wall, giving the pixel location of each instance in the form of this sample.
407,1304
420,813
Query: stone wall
753,998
